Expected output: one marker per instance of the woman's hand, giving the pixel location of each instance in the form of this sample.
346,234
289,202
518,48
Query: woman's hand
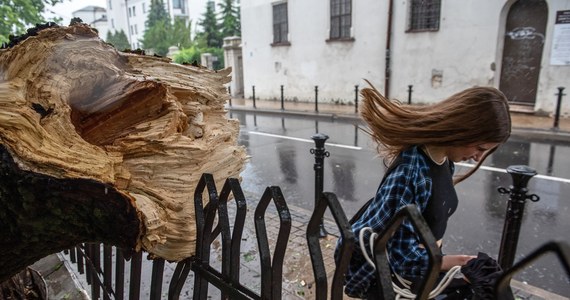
450,261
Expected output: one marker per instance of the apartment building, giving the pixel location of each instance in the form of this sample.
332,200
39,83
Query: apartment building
131,15
95,16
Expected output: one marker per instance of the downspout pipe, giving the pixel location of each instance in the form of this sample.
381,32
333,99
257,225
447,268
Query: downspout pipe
388,70
128,22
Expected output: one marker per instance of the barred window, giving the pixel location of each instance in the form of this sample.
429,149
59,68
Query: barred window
177,4
341,19
280,26
424,15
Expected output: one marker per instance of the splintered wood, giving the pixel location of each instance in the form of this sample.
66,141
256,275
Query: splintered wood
74,108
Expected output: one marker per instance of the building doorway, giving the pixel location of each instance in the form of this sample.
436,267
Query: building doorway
522,51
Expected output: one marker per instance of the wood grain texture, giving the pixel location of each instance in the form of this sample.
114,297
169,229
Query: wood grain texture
75,111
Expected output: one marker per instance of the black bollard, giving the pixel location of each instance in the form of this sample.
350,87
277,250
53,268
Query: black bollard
253,90
320,154
515,210
355,135
410,94
550,165
316,98
558,104
356,98
282,99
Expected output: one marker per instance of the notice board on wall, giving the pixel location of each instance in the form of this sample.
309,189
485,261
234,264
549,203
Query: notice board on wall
560,54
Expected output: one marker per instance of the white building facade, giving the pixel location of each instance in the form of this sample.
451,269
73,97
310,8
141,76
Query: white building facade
131,15
95,16
437,47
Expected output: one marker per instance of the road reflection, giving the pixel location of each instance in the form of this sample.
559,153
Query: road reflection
280,155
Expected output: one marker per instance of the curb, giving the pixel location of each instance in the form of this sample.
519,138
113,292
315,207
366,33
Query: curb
551,135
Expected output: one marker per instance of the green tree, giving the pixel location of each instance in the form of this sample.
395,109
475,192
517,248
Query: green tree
230,21
158,29
157,37
118,39
180,35
17,15
160,33
122,41
193,55
157,13
189,55
210,29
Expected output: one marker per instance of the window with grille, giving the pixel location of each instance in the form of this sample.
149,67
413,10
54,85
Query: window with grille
341,19
280,26
424,15
177,4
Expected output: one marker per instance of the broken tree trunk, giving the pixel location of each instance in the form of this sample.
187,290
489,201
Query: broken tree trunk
98,145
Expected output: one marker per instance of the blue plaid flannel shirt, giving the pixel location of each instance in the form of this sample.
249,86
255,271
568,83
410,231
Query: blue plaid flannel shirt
408,183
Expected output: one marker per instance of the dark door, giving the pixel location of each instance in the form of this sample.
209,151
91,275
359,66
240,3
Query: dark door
522,53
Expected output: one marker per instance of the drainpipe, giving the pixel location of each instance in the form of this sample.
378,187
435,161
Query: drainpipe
388,52
128,22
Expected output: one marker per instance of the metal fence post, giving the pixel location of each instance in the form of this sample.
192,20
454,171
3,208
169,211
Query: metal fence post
320,154
515,209
410,94
316,98
558,104
356,98
253,90
282,99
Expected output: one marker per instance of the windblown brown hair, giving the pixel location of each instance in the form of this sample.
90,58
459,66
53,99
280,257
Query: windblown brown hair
475,115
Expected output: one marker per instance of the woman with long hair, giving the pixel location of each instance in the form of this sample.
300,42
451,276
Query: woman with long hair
421,144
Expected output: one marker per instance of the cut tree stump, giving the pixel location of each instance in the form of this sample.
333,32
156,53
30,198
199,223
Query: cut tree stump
98,145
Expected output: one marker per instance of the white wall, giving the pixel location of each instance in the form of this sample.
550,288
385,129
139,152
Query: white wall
468,42
462,51
88,16
93,18
117,16
551,76
310,60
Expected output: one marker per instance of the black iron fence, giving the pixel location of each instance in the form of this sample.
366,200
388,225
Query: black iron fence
105,271
556,111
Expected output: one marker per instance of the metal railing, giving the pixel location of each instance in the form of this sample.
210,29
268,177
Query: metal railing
213,223
556,113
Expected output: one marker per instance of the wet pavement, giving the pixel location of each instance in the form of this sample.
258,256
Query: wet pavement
279,143
354,174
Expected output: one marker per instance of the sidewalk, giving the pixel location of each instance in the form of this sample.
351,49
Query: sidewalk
523,124
298,281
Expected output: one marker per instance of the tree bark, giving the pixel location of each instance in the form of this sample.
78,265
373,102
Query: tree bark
98,145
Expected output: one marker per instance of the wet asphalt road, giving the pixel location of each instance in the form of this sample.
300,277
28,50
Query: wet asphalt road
280,155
